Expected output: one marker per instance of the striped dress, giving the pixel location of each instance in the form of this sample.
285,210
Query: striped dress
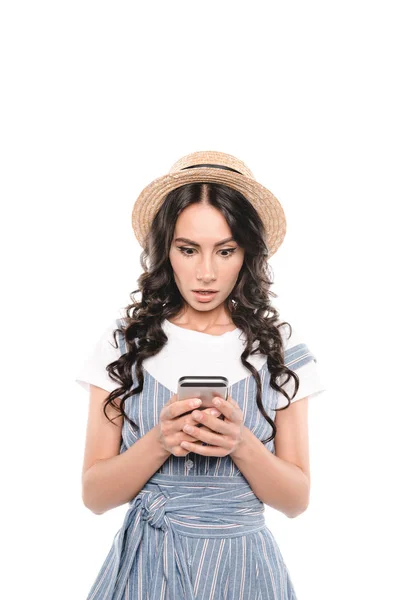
196,531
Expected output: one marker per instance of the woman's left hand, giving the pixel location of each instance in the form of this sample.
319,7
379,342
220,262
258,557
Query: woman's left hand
228,432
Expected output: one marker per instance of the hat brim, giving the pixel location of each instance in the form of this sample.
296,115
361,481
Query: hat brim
264,201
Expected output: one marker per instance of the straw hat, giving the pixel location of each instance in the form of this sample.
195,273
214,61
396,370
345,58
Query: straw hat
211,166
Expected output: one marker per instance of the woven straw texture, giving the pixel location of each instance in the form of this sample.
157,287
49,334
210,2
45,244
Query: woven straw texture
266,204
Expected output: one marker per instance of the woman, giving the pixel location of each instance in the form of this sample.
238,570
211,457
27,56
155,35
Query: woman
195,527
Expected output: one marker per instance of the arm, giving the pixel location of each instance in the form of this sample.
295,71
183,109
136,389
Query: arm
281,480
113,481
109,478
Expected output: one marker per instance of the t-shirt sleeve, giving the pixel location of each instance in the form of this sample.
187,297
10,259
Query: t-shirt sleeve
93,369
299,358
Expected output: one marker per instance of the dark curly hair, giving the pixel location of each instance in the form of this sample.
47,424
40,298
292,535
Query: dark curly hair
248,303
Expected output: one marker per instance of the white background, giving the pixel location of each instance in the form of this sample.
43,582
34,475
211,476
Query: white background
100,98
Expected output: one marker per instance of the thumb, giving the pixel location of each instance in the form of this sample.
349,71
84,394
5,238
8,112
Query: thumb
232,401
173,398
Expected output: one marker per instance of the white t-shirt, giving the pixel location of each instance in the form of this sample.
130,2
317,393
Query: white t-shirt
189,352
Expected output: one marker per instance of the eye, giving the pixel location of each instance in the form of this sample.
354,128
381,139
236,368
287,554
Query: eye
229,250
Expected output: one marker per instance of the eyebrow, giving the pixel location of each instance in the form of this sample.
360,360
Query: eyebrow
187,241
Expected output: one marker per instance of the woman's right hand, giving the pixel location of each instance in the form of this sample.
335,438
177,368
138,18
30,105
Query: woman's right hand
172,421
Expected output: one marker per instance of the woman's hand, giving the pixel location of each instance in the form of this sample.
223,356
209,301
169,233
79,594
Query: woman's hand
223,436
173,418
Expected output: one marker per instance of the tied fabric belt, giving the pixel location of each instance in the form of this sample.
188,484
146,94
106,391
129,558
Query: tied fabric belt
169,505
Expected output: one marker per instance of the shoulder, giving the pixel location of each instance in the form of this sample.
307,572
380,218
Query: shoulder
105,349
290,334
299,357
112,335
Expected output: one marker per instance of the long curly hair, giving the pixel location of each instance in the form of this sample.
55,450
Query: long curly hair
248,303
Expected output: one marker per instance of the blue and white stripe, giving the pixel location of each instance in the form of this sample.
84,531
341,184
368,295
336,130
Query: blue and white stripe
196,531
194,538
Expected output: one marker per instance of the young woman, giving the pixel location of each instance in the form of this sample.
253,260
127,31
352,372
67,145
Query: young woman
196,484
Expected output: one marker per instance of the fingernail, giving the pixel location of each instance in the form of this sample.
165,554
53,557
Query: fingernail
196,402
214,412
216,401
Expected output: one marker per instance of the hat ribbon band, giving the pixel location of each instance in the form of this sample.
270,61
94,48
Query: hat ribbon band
214,166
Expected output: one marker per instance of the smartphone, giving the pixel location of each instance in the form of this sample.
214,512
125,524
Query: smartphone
205,387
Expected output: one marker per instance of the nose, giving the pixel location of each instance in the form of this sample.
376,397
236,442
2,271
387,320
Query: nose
206,272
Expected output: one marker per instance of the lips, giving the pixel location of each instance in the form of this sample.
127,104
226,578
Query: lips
205,296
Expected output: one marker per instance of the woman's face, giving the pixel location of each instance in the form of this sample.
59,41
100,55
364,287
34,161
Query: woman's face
198,262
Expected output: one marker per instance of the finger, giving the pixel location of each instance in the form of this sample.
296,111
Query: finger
177,408
174,398
193,440
187,436
212,411
208,436
198,448
228,408
188,419
214,423
232,401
